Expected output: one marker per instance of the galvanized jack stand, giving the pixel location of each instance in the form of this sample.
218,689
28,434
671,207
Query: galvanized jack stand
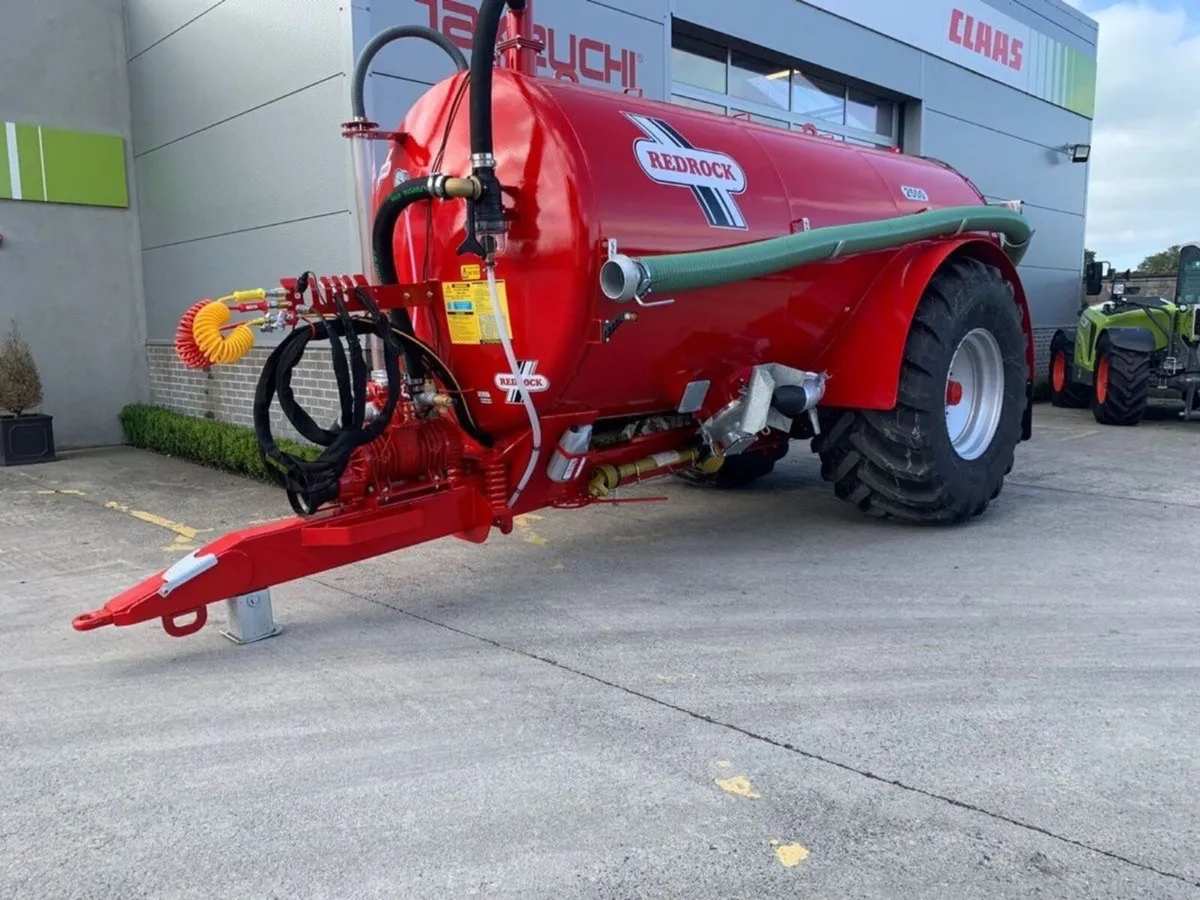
250,618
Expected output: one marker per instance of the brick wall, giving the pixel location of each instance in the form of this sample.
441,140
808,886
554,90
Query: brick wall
226,393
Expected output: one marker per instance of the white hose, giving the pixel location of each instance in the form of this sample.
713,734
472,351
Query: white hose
534,424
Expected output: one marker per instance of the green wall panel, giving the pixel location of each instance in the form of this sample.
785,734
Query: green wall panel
56,165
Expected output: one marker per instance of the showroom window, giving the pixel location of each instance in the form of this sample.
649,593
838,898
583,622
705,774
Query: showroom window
717,78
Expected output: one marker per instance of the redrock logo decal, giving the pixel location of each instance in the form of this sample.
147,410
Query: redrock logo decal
566,55
669,158
979,36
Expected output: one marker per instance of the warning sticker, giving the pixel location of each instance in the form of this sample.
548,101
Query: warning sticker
471,272
469,312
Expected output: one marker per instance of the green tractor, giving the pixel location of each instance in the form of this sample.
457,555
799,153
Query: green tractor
1127,349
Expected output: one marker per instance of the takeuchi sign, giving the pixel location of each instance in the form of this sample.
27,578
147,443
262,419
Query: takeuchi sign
981,38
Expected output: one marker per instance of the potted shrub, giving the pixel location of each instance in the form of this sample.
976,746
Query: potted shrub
25,436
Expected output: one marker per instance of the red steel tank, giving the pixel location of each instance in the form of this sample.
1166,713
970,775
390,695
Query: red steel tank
582,167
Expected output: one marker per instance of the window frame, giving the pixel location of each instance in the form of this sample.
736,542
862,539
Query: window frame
733,104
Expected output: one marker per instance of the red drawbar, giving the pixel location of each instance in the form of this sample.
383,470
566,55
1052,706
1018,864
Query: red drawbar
261,557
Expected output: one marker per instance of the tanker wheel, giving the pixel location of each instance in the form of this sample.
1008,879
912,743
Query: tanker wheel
1121,388
739,470
941,454
1064,392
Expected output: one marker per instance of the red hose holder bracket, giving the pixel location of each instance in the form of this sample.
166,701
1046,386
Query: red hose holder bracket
323,290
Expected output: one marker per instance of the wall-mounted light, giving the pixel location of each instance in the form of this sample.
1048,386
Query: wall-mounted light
1079,153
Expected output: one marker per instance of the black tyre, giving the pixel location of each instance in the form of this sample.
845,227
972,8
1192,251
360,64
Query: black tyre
1063,391
920,462
1121,388
739,470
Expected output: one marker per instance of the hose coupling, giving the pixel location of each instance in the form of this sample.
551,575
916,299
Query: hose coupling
623,278
444,187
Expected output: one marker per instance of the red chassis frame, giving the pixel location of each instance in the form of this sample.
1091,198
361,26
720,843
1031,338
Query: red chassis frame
396,493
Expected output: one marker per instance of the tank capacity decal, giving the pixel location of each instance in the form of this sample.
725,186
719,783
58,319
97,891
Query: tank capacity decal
470,318
667,157
914,193
530,381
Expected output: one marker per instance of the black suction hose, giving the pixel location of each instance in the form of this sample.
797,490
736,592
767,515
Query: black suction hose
386,37
382,231
483,50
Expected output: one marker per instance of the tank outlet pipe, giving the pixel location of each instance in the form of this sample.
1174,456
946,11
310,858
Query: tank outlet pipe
624,278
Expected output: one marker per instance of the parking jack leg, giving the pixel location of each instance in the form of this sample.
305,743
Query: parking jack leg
250,618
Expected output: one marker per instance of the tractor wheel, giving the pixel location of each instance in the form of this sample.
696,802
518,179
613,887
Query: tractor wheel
941,454
1063,391
739,470
1121,389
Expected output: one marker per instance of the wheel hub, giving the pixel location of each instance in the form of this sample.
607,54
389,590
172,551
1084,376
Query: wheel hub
974,393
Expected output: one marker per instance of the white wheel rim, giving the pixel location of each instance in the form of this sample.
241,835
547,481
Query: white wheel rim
974,395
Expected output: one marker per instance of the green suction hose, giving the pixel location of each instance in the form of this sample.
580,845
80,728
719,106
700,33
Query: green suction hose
624,278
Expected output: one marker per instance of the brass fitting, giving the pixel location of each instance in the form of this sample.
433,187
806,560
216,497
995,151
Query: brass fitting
468,188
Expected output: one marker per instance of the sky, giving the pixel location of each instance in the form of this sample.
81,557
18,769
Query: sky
1144,180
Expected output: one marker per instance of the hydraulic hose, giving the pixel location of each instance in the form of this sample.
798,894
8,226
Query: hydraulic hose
382,233
386,37
624,278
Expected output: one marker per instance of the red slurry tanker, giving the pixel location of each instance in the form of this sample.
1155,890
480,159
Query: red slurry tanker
574,290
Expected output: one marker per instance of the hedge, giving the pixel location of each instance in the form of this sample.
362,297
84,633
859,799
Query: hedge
218,445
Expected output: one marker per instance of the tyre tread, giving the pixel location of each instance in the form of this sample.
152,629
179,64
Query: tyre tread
879,460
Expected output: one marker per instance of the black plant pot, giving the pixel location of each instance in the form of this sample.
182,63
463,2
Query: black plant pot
26,439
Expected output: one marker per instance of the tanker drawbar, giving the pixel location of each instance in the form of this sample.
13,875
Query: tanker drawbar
565,292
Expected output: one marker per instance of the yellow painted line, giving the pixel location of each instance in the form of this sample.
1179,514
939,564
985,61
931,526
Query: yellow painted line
185,535
738,785
183,531
528,534
70,491
790,854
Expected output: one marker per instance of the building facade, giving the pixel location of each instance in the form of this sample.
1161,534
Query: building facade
241,175
70,260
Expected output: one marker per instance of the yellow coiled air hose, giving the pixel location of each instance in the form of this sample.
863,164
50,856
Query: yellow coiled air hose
220,349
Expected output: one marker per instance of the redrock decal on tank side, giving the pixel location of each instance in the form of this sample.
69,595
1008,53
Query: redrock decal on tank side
667,157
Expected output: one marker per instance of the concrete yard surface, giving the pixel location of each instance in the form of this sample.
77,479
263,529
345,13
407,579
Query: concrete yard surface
749,694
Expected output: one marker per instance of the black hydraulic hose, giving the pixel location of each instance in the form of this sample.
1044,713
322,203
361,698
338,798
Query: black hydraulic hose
386,37
416,357
382,232
483,50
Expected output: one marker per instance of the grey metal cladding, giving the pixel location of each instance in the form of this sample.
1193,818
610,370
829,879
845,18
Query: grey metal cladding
654,10
1006,166
246,173
814,36
1057,240
149,21
965,95
178,276
240,55
82,84
1056,20
1053,296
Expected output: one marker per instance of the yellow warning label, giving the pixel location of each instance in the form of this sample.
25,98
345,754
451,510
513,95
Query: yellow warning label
471,272
469,313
